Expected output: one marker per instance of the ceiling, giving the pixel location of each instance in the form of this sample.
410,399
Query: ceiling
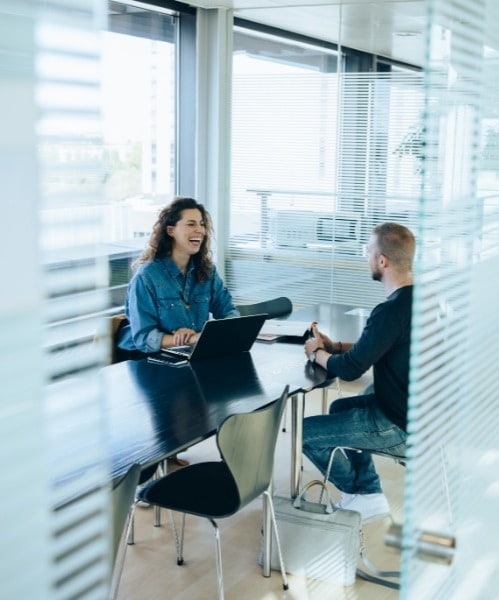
390,28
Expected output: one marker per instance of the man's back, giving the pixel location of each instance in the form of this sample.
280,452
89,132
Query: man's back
391,371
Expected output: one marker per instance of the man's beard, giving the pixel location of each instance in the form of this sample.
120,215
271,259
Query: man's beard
376,275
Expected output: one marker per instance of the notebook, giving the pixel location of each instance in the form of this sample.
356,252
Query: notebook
288,328
223,337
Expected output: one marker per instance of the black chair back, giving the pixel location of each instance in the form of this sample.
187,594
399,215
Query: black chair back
247,443
277,307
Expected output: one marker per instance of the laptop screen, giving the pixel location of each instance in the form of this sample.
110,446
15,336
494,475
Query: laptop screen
222,337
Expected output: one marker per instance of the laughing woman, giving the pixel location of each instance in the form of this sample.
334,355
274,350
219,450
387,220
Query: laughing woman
176,286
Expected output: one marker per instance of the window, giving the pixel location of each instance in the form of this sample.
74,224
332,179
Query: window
139,118
319,156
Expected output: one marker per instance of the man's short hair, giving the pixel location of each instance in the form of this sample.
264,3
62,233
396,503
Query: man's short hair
397,243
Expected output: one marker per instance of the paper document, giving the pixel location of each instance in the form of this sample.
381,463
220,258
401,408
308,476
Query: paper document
287,328
361,312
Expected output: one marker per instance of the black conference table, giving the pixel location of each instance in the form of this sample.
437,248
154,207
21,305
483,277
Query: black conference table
155,410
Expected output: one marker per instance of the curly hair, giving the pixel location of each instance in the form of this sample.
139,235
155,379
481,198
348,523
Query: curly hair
161,244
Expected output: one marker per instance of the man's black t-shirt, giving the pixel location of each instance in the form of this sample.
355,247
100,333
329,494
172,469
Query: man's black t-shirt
384,345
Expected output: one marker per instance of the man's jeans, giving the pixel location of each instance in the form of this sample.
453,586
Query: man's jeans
356,422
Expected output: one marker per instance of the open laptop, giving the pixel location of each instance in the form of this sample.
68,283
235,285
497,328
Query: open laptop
222,337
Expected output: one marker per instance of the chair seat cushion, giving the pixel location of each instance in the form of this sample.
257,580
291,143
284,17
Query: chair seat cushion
206,489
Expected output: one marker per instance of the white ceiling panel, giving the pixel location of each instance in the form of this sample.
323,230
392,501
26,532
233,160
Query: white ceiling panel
394,29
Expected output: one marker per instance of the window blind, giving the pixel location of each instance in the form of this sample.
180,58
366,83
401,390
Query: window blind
318,159
451,484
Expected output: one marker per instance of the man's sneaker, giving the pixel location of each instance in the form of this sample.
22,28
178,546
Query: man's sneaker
370,506
345,499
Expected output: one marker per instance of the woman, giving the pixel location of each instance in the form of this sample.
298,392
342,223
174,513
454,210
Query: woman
176,285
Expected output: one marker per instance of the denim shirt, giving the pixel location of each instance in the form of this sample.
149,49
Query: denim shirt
160,300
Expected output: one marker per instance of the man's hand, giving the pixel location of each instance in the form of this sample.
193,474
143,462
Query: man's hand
314,343
327,343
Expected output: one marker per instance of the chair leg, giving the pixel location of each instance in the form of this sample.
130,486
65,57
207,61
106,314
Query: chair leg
220,578
131,527
157,514
179,542
266,532
330,464
324,400
160,471
270,505
120,556
331,458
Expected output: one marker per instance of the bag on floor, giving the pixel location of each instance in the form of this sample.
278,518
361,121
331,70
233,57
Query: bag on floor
318,540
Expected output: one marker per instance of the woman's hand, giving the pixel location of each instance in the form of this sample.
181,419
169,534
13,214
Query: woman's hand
194,338
184,336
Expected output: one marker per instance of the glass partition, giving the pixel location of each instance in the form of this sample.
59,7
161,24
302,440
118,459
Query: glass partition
452,482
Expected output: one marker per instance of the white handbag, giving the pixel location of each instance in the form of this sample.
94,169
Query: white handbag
318,540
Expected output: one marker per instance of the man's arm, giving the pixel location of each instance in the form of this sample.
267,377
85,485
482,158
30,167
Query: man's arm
320,347
350,361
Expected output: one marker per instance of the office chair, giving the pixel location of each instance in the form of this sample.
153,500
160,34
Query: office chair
122,495
276,307
116,322
246,443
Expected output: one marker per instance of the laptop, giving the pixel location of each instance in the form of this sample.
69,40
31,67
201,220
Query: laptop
222,337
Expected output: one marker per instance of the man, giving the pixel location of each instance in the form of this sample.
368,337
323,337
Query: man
375,421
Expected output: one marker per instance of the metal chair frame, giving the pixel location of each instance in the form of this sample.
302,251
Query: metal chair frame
245,470
122,495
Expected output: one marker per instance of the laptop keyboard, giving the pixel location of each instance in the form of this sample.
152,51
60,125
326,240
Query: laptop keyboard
180,348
